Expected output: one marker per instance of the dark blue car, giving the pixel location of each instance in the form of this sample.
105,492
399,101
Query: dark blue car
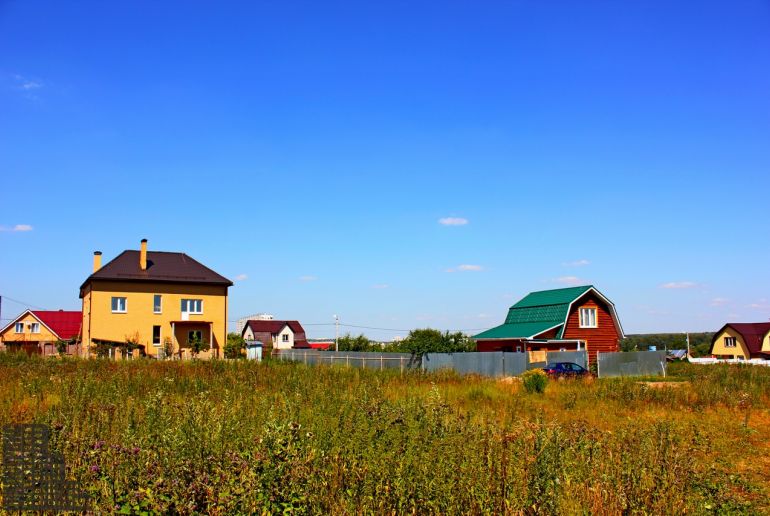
566,370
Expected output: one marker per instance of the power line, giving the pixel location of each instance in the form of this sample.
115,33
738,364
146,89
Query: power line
28,305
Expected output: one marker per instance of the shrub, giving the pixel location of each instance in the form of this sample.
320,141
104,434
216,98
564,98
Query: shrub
535,381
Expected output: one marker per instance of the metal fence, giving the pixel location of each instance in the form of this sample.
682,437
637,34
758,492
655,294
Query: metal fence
381,361
633,363
495,363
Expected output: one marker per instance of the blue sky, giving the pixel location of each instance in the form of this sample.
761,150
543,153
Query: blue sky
309,151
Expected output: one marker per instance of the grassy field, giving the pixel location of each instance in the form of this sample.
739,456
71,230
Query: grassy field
237,437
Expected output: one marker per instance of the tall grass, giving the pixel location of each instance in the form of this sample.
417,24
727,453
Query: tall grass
239,437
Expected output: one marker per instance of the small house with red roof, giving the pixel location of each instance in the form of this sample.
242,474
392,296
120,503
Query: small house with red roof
37,331
276,334
742,341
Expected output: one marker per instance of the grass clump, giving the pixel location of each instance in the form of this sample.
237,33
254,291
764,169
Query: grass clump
535,381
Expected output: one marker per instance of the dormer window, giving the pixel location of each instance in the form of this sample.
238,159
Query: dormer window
588,318
730,342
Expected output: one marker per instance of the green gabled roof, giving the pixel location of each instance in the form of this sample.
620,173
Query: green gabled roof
515,331
536,313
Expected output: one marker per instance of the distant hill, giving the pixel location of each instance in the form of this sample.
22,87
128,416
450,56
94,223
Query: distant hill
700,343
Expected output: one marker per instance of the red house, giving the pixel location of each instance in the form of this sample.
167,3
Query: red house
565,319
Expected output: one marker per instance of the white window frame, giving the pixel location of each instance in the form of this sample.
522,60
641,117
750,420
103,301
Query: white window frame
160,335
116,307
730,342
585,319
19,325
159,308
34,327
188,306
284,337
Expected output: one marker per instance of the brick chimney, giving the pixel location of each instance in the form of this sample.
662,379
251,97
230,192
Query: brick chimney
97,260
143,255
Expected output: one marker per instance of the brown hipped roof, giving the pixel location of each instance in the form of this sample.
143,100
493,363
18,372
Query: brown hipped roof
752,334
161,267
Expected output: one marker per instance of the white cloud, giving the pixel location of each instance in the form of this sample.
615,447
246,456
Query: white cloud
465,268
453,221
241,277
570,280
17,228
679,284
577,263
762,304
719,301
381,285
308,278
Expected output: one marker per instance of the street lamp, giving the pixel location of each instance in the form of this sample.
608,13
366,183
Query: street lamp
336,332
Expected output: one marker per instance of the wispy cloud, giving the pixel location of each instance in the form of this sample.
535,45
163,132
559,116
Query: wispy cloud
26,85
577,263
570,280
762,304
466,268
453,221
679,284
17,228
308,277
241,277
381,285
719,301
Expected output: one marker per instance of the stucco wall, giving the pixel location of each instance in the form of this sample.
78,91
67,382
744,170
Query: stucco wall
99,322
739,351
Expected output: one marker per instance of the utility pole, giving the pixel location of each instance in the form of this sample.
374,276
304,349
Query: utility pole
336,332
688,345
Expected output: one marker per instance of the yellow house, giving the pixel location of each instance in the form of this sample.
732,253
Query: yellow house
742,341
161,304
38,332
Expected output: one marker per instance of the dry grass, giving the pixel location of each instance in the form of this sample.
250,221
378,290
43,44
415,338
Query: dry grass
236,437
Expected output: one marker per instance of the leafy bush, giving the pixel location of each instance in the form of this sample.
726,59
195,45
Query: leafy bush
535,380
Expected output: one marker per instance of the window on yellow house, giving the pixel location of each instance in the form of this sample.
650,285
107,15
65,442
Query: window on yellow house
34,327
156,335
730,342
118,305
192,306
19,327
157,304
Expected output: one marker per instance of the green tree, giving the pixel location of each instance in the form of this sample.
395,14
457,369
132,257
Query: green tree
195,344
234,346
350,343
429,340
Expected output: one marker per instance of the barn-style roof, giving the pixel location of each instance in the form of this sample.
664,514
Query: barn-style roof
542,311
752,333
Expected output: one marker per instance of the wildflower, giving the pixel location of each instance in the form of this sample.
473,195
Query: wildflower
95,469
98,445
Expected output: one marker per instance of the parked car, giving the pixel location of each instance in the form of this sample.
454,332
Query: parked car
566,370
